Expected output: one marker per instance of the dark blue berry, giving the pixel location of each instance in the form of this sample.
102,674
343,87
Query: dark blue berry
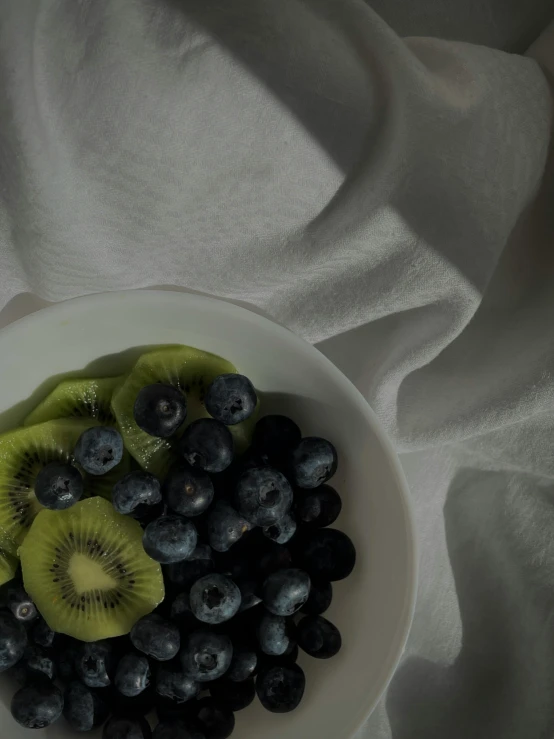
319,507
132,675
160,410
206,655
225,526
280,688
231,399
318,637
188,491
327,554
284,592
38,661
169,539
275,635
176,729
214,599
173,684
263,496
281,531
42,634
99,449
312,462
156,637
319,600
94,662
213,720
58,486
233,696
243,664
119,727
138,488
83,709
208,445
13,640
274,438
22,607
38,704
198,564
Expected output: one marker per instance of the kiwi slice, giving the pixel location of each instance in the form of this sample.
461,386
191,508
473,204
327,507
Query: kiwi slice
23,453
191,370
78,398
87,572
8,567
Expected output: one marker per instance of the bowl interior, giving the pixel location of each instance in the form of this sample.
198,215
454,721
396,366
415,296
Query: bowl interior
373,608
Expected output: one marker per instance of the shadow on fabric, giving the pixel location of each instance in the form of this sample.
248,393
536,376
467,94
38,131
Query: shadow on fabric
501,686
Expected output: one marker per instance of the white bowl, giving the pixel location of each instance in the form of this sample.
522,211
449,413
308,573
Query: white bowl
374,607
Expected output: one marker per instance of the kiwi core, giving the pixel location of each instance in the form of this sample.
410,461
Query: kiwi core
87,574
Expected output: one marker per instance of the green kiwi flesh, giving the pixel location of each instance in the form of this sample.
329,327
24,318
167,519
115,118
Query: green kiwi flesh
87,572
8,567
78,398
191,370
23,453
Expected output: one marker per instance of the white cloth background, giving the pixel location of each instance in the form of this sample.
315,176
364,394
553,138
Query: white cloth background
388,199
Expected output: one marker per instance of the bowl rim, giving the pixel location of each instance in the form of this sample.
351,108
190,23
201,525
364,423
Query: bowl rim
154,296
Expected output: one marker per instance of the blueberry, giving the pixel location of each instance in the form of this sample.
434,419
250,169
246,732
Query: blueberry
94,662
319,637
280,688
176,729
37,661
214,599
38,704
169,539
285,591
83,709
188,491
214,721
198,564
319,600
99,449
327,554
119,727
275,635
244,663
208,445
225,526
58,486
156,637
13,640
132,675
263,495
232,695
275,437
319,507
231,399
138,488
312,462
160,410
206,655
281,531
21,605
172,683
42,634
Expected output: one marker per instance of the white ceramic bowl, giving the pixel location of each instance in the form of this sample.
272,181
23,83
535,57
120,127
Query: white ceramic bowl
374,607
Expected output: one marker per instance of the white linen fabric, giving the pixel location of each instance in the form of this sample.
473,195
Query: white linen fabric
389,199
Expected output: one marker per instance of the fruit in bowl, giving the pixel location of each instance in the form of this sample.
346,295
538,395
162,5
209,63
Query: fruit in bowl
92,538
372,607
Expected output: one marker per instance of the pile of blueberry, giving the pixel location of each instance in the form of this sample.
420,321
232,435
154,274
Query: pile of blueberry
248,564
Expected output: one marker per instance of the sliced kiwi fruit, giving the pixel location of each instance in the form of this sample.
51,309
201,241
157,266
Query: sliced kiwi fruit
23,453
78,398
191,370
87,571
8,567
